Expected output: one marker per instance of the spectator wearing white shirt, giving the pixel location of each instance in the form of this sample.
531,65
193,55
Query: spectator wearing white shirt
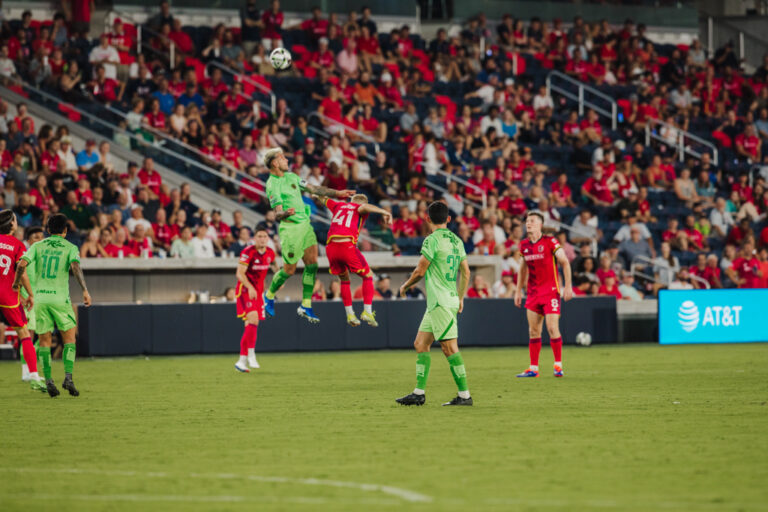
626,288
137,218
105,55
498,233
542,102
202,246
720,218
491,120
504,288
624,231
7,67
584,227
67,155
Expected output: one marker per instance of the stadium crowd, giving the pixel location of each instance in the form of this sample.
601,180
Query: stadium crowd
477,130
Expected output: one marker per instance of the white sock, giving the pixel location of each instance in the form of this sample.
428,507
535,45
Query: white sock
242,360
24,368
349,310
418,391
251,352
464,394
368,308
558,363
34,376
534,368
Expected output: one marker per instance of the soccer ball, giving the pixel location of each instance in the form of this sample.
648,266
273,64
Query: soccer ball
584,339
280,58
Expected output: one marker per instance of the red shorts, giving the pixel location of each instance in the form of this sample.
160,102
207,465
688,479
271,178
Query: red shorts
543,304
14,316
346,256
245,304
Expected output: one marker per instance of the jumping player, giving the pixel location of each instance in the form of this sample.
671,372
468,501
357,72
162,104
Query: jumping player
53,258
541,254
344,256
255,261
31,235
297,237
11,305
442,259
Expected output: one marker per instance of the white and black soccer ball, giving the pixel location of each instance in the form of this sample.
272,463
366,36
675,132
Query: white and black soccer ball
280,58
584,339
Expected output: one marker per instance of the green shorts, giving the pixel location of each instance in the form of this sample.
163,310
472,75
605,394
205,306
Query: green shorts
31,324
48,316
441,322
295,239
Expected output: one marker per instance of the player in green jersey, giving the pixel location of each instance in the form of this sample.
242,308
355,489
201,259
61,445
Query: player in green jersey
31,235
53,257
297,237
442,259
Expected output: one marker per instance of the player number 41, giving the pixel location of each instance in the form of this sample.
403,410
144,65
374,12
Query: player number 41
338,218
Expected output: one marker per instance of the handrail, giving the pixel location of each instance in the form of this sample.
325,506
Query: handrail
345,128
582,87
559,225
682,148
666,265
237,172
452,177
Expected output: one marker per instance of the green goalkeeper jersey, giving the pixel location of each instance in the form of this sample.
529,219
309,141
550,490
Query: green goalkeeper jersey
50,259
286,192
445,252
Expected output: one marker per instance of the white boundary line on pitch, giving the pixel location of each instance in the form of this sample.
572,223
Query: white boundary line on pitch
176,498
398,492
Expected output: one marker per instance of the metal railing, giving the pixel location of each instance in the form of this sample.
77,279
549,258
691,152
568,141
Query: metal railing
344,128
234,170
681,137
610,112
561,226
750,49
646,261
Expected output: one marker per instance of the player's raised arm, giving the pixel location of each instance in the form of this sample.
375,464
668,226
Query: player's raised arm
464,273
78,273
417,275
562,259
325,191
369,208
522,277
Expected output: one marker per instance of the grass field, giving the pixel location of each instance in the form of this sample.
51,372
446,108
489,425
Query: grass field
631,428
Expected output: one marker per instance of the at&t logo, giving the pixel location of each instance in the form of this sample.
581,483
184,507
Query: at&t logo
716,316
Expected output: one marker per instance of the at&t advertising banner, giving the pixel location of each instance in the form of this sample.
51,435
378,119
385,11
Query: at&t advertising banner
713,316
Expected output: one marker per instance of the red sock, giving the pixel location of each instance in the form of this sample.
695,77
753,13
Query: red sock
534,347
29,354
368,290
346,293
251,330
244,341
557,348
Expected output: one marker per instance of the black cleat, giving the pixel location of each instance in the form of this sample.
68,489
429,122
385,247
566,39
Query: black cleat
460,401
53,391
412,399
70,386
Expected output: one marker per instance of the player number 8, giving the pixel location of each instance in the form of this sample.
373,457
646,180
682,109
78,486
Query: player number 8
555,303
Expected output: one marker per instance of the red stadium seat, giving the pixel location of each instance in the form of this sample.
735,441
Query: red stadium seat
66,109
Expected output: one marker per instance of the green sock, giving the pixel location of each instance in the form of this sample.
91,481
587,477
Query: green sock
308,282
68,357
45,355
458,371
21,356
423,360
37,351
277,281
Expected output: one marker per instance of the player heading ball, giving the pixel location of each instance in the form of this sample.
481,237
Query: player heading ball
442,260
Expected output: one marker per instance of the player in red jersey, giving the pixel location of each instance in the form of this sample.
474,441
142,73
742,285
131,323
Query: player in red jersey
541,254
344,256
255,261
11,305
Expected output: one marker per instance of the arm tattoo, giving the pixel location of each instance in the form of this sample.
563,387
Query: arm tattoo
282,215
20,271
322,191
78,273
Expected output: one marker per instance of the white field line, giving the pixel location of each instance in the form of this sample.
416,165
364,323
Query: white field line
150,498
397,492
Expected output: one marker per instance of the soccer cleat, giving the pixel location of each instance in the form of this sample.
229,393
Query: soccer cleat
37,385
269,306
24,373
369,318
252,362
53,392
558,370
528,373
412,399
70,386
352,320
241,368
459,401
308,314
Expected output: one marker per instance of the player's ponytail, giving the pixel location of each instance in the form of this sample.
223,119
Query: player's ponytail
6,222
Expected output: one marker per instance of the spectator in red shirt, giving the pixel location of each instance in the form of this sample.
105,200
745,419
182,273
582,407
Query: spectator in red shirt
104,89
405,226
119,248
271,25
745,270
330,107
605,271
487,244
610,288
323,58
155,118
150,177
696,239
748,145
561,195
479,289
180,38
222,229
706,268
162,232
597,190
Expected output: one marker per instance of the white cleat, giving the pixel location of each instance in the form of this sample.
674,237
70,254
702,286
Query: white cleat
25,373
369,318
253,363
241,368
352,320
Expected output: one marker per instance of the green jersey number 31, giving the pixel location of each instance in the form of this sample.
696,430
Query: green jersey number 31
452,260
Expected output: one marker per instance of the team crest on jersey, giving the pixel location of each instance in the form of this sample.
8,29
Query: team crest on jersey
293,186
541,248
